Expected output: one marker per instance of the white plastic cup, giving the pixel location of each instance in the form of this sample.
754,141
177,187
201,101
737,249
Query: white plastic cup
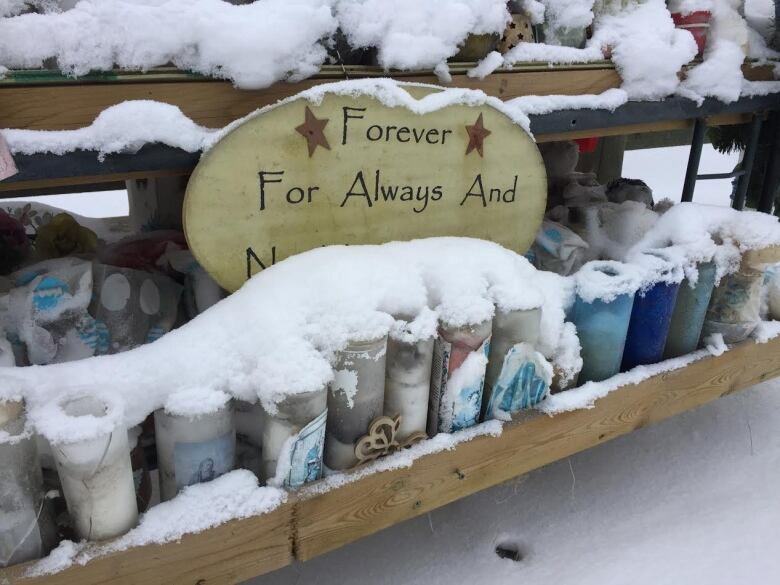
97,476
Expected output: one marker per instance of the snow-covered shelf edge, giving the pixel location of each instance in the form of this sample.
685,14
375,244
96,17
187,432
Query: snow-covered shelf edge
54,105
344,508
42,171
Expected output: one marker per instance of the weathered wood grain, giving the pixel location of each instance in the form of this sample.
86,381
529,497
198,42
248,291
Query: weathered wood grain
227,554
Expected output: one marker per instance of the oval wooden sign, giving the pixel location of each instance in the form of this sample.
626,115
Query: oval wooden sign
351,170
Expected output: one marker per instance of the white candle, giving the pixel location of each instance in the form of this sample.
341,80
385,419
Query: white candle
249,436
293,439
408,383
96,476
193,448
355,399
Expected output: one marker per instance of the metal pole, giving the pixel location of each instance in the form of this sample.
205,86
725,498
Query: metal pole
747,163
772,175
693,159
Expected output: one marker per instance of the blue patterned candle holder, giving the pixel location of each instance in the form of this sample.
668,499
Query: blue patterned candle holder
689,312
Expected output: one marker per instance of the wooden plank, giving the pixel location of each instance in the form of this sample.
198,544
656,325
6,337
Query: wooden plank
217,103
335,518
227,554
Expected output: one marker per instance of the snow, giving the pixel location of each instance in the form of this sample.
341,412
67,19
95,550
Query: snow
423,326
532,105
606,280
125,127
272,338
195,402
232,496
414,34
692,499
253,45
568,13
646,48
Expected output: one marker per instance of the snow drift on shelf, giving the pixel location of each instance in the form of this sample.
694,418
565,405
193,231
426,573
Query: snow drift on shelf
253,45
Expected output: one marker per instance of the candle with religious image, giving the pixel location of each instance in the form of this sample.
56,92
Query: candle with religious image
458,375
195,434
294,438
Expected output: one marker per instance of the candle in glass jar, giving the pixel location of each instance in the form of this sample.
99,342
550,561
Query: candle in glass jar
294,437
27,530
509,329
457,377
355,399
408,376
194,446
96,475
249,436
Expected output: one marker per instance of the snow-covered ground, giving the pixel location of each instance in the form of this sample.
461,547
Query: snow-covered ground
691,500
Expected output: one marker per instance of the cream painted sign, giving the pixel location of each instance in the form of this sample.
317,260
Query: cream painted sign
351,170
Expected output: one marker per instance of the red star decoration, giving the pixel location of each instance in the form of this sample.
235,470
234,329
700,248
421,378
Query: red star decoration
477,134
312,131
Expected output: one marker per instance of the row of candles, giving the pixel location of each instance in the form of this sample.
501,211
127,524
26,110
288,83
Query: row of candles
416,380
385,376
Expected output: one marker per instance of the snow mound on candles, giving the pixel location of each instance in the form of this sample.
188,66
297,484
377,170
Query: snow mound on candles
692,230
253,45
277,335
232,496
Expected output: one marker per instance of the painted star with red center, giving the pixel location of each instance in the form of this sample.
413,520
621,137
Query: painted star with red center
312,131
477,134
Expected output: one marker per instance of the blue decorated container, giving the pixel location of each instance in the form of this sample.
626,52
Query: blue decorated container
651,315
689,313
601,312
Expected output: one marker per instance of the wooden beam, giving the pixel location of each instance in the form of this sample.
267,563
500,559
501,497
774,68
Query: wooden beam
227,554
217,103
333,519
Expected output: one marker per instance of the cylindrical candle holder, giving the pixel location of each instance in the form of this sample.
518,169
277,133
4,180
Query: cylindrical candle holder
96,475
355,398
194,447
601,312
27,530
734,309
408,380
249,417
509,329
458,376
689,312
293,439
651,314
